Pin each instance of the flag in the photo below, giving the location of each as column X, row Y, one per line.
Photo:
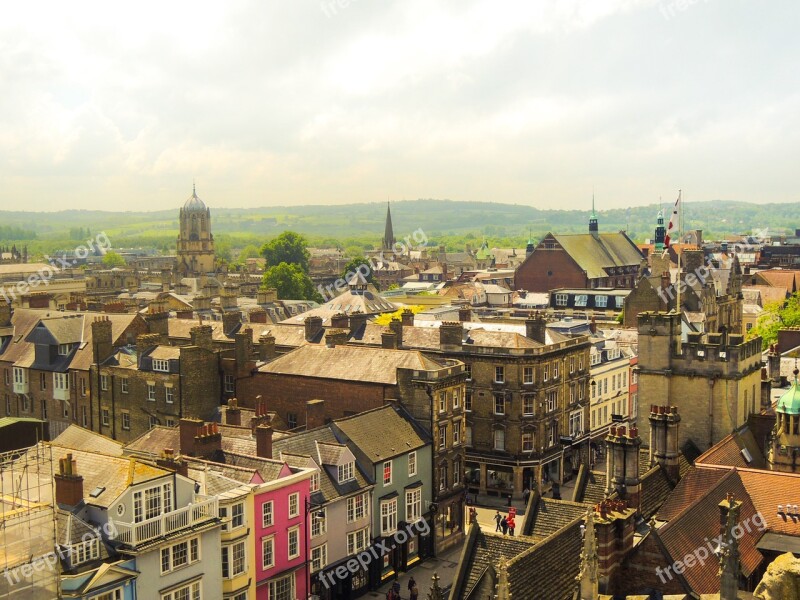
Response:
column 673, row 222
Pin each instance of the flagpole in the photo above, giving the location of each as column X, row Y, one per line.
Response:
column 680, row 253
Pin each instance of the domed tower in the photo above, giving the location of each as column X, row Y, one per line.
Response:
column 784, row 455
column 195, row 241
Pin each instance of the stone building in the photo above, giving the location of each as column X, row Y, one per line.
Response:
column 784, row 451
column 714, row 379
column 195, row 240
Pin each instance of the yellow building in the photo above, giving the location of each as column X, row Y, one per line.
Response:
column 195, row 240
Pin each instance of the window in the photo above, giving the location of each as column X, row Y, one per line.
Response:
column 468, row 435
column 105, row 416
column 552, row 401
column 357, row 541
column 83, row 386
column 555, row 370
column 571, row 365
column 413, row 505
column 282, row 589
column 552, row 434
column 230, row 384
column 126, row 421
column 571, row 393
column 456, row 471
column 412, row 464
column 605, row 385
column 442, row 402
column 104, row 382
column 387, row 472
column 456, row 433
column 64, row 349
column 294, row 505
column 64, row 407
column 159, row 364
column 170, row 422
column 356, row 507
column 268, row 552
column 291, row 420
column 527, row 442
column 561, row 299
column 499, row 439
column 179, row 555
column 42, row 381
column 233, row 562
column 5, row 376
column 388, row 516
column 468, row 401
column 293, row 542
column 576, row 423
column 26, row 405
column 61, row 381
column 319, row 557
column 147, row 503
column 112, row 595
column 443, row 480
column 20, row 376
column 499, row 374
column 528, row 403
column 85, row 551
column 499, row 404
column 456, row 399
column 237, row 516
column 468, row 371
column 44, row 412
column 581, row 299
column 442, row 436
column 151, row 392
column 600, row 301
column 314, row 483
column 346, row 472
column 153, row 421
column 170, row 394
column 613, row 383
column 123, row 385
column 580, row 362
column 545, row 372
column 187, row 592
column 527, row 375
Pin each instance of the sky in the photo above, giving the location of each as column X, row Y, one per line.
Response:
column 121, row 106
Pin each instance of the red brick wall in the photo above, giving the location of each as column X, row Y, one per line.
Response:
column 546, row 270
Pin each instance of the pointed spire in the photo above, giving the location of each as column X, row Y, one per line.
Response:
column 593, row 218
column 388, row 233
column 502, row 588
column 194, row 189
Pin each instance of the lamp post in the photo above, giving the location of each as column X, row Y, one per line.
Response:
column 311, row 508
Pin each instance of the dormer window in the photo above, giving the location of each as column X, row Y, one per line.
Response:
column 64, row 349
column 346, row 472
column 160, row 364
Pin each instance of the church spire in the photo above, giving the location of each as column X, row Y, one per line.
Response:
column 388, row 233
column 593, row 218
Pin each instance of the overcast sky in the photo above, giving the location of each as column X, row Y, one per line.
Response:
column 121, row 105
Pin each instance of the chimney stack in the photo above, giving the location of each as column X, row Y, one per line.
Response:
column 614, row 529
column 536, row 328
column 315, row 414
column 451, row 335
column 464, row 314
column 102, row 339
column 202, row 336
column 336, row 337
column 264, row 441
column 69, row 485
column 313, row 327
column 396, row 325
column 233, row 414
column 389, row 340
column 244, row 349
column 340, row 321
column 664, row 422
column 231, row 320
column 623, row 464
column 357, row 321
column 169, row 461
column 407, row 316
column 188, row 429
column 266, row 346
column 257, row 315
column 5, row 313
column 208, row 440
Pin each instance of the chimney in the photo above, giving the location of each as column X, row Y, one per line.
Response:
column 451, row 335
column 169, row 461
column 266, row 295
column 464, row 314
column 257, row 315
column 396, row 325
column 188, row 429
column 774, row 364
column 622, row 458
column 208, row 440
column 614, row 531
column 201, row 303
column 102, row 339
column 593, row 326
column 158, row 319
column 407, row 317
column 244, row 348
column 228, row 297
column 201, row 336
column 315, row 414
column 266, row 346
column 357, row 321
column 536, row 328
column 166, row 279
column 69, row 485
column 389, row 340
column 729, row 548
column 340, row 321
column 260, row 416
column 5, row 313
column 664, row 421
column 336, row 337
column 264, row 441
column 692, row 261
column 313, row 327
column 233, row 414
column 231, row 321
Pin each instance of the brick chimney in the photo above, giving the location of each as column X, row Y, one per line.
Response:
column 451, row 335
column 340, row 321
column 158, row 319
column 536, row 328
column 313, row 327
column 407, row 317
column 593, row 326
column 336, row 337
column 228, row 297
column 264, row 441
column 774, row 364
column 266, row 346
column 69, row 485
column 357, row 321
column 664, row 422
column 614, row 529
column 260, row 416
column 102, row 339
column 208, row 440
column 257, row 315
column 168, row 460
column 396, row 325
column 188, row 428
column 244, row 349
column 233, row 414
column 201, row 303
column 315, row 413
column 389, row 340
column 266, row 295
column 464, row 314
column 202, row 336
column 231, row 320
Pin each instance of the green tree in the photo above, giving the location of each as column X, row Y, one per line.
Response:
column 112, row 259
column 291, row 282
column 355, row 266
column 777, row 315
column 249, row 251
column 288, row 247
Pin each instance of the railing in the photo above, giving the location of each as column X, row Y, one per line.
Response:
column 133, row 534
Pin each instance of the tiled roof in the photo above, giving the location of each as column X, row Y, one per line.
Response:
column 487, row 549
column 768, row 489
column 551, row 515
column 595, row 490
column 380, row 433
column 78, row 438
column 655, row 489
column 728, row 451
column 153, row 441
column 375, row 365
column 691, row 486
column 595, row 253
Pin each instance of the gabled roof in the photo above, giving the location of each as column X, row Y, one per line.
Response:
column 380, row 433
column 596, row 253
column 729, row 451
column 78, row 438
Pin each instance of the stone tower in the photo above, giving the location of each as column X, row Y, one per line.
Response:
column 195, row 241
column 784, row 452
column 388, row 232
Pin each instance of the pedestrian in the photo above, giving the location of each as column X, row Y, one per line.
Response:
column 511, row 526
column 504, row 525
column 411, row 583
column 415, row 592
column 526, row 493
column 497, row 519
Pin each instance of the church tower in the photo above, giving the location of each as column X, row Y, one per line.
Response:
column 195, row 241
column 388, row 232
column 593, row 229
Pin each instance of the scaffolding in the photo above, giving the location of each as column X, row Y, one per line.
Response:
column 28, row 525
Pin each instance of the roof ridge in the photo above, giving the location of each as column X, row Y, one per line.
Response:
column 703, row 496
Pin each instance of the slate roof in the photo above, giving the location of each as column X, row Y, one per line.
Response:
column 551, row 515
column 78, row 438
column 655, row 489
column 373, row 365
column 381, row 433
column 595, row 253
column 487, row 549
column 595, row 489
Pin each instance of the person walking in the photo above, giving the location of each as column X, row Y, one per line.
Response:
column 411, row 583
column 497, row 519
column 414, row 592
column 511, row 526
column 504, row 525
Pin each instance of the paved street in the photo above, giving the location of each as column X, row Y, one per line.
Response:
column 444, row 565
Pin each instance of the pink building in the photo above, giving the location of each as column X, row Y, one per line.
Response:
column 282, row 536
